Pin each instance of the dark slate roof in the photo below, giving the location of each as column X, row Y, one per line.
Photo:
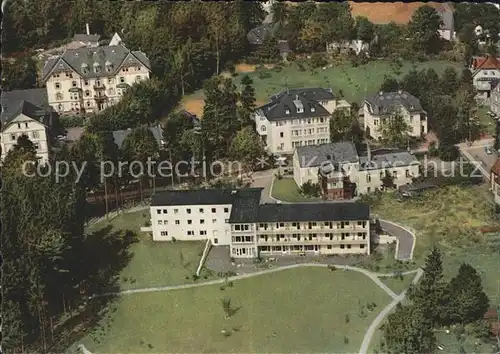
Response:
column 384, row 102
column 289, row 101
column 120, row 135
column 245, row 205
column 316, row 155
column 258, row 34
column 86, row 37
column 210, row 196
column 24, row 101
column 313, row 212
column 194, row 119
column 77, row 59
column 387, row 159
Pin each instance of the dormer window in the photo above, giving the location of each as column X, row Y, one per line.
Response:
column 85, row 68
column 313, row 109
column 109, row 66
column 97, row 67
column 287, row 111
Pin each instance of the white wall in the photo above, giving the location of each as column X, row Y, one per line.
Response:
column 366, row 185
column 23, row 125
column 214, row 225
column 417, row 127
column 85, row 98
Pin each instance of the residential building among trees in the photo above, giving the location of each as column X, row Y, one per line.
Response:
column 91, row 79
column 237, row 219
column 26, row 112
column 377, row 109
column 485, row 74
column 342, row 172
column 297, row 117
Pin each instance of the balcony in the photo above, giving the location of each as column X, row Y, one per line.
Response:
column 100, row 97
column 99, row 86
column 314, row 241
column 287, row 230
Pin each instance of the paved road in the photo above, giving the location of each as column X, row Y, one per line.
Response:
column 382, row 315
column 373, row 276
column 406, row 239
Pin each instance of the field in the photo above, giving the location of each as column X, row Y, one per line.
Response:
column 354, row 82
column 286, row 190
column 153, row 263
column 451, row 218
column 396, row 284
column 300, row 310
column 487, row 122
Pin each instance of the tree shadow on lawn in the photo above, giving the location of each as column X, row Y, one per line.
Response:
column 103, row 255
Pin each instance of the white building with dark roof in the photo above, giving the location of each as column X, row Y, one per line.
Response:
column 343, row 173
column 91, row 79
column 235, row 218
column 380, row 107
column 297, row 117
column 26, row 112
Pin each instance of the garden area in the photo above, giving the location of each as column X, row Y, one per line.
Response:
column 153, row 263
column 453, row 218
column 354, row 82
column 286, row 190
column 300, row 310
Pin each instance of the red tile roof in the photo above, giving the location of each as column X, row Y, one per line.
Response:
column 496, row 168
column 487, row 62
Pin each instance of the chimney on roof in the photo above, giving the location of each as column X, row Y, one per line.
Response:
column 87, row 27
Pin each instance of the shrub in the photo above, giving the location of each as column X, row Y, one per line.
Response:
column 174, row 239
column 310, row 189
column 300, row 66
column 346, row 340
column 317, row 60
column 72, row 121
column 347, row 319
column 264, row 75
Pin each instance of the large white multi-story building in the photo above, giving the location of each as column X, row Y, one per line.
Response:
column 91, row 79
column 378, row 108
column 237, row 219
column 343, row 173
column 26, row 112
column 297, row 117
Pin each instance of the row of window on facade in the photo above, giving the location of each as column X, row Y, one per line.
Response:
column 299, row 237
column 76, row 95
column 188, row 210
column 297, row 121
column 383, row 173
column 308, row 142
column 189, row 222
column 98, row 83
column 310, row 225
column 34, row 135
column 189, row 233
column 109, row 68
column 301, row 248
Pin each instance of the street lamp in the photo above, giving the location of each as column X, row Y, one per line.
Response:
column 197, row 131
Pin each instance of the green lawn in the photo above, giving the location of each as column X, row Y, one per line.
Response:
column 355, row 82
column 286, row 190
column 396, row 284
column 299, row 310
column 451, row 217
column 154, row 263
column 487, row 122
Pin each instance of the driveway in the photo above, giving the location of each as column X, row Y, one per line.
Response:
column 406, row 239
column 264, row 179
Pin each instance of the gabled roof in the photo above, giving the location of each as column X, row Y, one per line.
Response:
column 259, row 34
column 77, row 59
column 18, row 101
column 316, row 155
column 485, row 63
column 384, row 159
column 288, row 101
column 86, row 38
column 495, row 169
column 120, row 135
column 194, row 119
column 384, row 102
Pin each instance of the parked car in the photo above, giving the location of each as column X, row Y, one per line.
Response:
column 488, row 150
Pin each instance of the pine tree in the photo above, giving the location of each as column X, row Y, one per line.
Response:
column 496, row 145
column 466, row 301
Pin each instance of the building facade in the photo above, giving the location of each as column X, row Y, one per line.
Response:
column 91, row 79
column 485, row 72
column 26, row 112
column 297, row 117
column 494, row 101
column 378, row 108
column 237, row 219
column 495, row 181
column 343, row 173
